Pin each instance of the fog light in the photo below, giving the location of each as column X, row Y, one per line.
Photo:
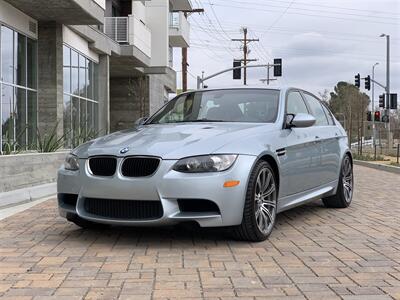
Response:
column 232, row 183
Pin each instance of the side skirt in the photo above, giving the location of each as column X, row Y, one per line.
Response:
column 291, row 201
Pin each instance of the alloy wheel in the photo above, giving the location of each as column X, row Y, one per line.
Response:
column 347, row 179
column 265, row 200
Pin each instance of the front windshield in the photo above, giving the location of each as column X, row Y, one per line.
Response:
column 246, row 105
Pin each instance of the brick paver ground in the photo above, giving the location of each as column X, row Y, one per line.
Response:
column 313, row 253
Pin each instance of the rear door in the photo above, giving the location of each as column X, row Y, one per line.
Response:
column 326, row 135
column 301, row 152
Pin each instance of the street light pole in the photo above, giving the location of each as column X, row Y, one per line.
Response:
column 373, row 102
column 387, row 110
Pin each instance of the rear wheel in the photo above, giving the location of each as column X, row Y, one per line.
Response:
column 259, row 212
column 344, row 193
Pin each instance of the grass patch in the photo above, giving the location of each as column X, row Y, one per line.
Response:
column 368, row 157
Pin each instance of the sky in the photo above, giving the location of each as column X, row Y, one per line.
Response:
column 320, row 42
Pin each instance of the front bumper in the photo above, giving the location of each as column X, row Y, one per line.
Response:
column 166, row 186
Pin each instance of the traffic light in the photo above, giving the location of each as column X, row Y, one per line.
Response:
column 369, row 116
column 278, row 67
column 382, row 101
column 393, row 101
column 357, row 80
column 237, row 73
column 377, row 116
column 368, row 83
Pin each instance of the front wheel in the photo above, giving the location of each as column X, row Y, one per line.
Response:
column 259, row 213
column 344, row 193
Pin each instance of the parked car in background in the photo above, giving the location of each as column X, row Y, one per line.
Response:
column 230, row 158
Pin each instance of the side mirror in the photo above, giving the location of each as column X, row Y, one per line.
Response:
column 300, row 121
column 141, row 121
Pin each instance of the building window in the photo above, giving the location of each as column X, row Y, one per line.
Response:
column 18, row 91
column 80, row 97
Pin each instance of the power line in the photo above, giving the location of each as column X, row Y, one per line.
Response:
column 262, row 29
column 280, row 17
column 257, row 4
column 337, row 7
column 211, row 34
column 216, row 18
column 325, row 52
column 309, row 15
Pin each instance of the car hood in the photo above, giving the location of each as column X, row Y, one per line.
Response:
column 172, row 141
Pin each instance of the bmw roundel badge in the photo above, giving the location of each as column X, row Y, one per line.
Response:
column 124, row 150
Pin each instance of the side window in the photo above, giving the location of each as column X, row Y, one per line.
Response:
column 328, row 115
column 317, row 110
column 295, row 104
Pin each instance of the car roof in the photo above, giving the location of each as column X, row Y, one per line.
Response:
column 247, row 87
column 276, row 88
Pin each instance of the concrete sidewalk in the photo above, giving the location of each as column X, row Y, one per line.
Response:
column 26, row 195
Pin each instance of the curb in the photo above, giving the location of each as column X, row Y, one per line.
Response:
column 26, row 195
column 391, row 169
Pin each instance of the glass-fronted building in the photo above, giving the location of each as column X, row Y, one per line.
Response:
column 18, row 86
column 81, row 100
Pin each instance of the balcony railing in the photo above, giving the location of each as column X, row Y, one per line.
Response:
column 130, row 31
column 179, row 30
column 174, row 20
column 117, row 28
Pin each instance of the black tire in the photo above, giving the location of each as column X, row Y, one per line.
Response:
column 343, row 196
column 85, row 224
column 249, row 229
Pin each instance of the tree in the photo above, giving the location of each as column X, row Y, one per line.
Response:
column 349, row 102
column 325, row 96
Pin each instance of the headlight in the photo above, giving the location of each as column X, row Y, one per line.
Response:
column 206, row 163
column 71, row 162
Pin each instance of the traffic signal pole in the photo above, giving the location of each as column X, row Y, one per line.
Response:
column 201, row 80
column 390, row 140
column 373, row 102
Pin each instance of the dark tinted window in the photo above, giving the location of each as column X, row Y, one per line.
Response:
column 317, row 110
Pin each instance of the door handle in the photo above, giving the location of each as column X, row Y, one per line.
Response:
column 317, row 139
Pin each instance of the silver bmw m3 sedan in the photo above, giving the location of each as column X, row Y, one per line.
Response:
column 231, row 158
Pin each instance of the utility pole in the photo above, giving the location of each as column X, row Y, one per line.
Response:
column 185, row 52
column 268, row 79
column 184, row 65
column 245, row 59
